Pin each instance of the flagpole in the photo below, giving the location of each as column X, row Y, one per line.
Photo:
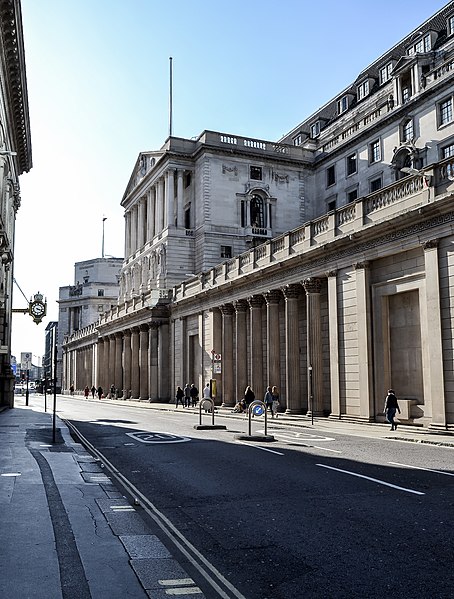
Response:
column 170, row 98
column 104, row 218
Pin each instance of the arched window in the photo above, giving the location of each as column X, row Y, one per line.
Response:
column 257, row 212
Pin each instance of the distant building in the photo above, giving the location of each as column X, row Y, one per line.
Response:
column 15, row 159
column 94, row 292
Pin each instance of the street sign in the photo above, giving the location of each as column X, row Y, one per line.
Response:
column 26, row 360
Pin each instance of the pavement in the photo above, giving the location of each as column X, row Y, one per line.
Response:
column 68, row 532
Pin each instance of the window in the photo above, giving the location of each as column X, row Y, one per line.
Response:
column 187, row 180
column 226, row 251
column 375, row 184
column 330, row 176
column 374, row 152
column 363, row 90
column 352, row 195
column 187, row 217
column 100, row 292
column 255, row 173
column 315, row 129
column 298, row 140
column 424, row 44
column 386, row 73
column 257, row 214
column 342, row 104
column 351, row 164
column 447, row 152
column 407, row 130
column 331, row 205
column 445, row 112
column 450, row 25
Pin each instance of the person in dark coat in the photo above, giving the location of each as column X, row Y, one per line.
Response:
column 93, row 391
column 391, row 406
column 99, row 392
column 179, row 397
column 194, row 392
column 249, row 396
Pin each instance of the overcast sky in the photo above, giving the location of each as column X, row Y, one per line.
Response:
column 98, row 88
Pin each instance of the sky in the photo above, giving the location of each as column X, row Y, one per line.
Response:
column 98, row 92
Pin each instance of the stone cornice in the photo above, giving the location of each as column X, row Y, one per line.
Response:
column 16, row 95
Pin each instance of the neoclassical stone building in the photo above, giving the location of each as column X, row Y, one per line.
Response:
column 322, row 263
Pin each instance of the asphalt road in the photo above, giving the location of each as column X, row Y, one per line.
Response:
column 308, row 516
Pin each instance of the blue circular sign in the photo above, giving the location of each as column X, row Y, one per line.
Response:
column 257, row 410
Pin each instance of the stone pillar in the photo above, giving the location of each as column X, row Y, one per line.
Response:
column 127, row 235
column 170, row 199
column 134, row 218
column 153, row 345
column 151, row 213
column 111, row 364
column 126, row 364
column 435, row 384
column 216, row 335
column 159, row 206
column 163, row 362
column 228, row 398
column 118, row 378
column 135, row 369
column 272, row 299
column 100, row 370
column 365, row 360
column 312, row 287
column 293, row 397
column 333, row 344
column 256, row 356
column 141, row 211
column 180, row 198
column 241, row 309
column 143, row 365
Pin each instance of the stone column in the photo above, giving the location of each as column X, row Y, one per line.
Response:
column 127, row 234
column 153, row 345
column 134, row 217
column 127, row 364
column 228, row 398
column 163, row 362
column 143, row 365
column 272, row 299
column 151, row 214
column 159, row 206
column 111, row 364
column 256, row 356
column 180, row 198
column 365, row 361
column 118, row 378
column 170, row 197
column 135, row 368
column 241, row 309
column 293, row 397
column 216, row 335
column 434, row 386
column 141, row 211
column 333, row 344
column 100, row 370
column 312, row 287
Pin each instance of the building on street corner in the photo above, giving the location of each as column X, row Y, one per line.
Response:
column 320, row 263
column 15, row 159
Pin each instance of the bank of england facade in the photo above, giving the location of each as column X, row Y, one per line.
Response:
column 322, row 263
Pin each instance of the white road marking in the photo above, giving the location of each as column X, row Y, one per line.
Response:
column 262, row 448
column 375, row 480
column 327, row 449
column 419, row 468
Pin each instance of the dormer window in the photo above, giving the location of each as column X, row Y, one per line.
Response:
column 386, row 73
column 424, row 44
column 315, row 129
column 363, row 89
column 297, row 141
column 342, row 104
column 450, row 25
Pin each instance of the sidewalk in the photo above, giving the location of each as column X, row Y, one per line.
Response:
column 66, row 532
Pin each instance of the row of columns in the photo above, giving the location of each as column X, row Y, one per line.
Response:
column 158, row 209
column 234, row 373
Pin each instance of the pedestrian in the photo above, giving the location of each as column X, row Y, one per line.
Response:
column 99, row 391
column 86, row 391
column 391, row 406
column 268, row 401
column 179, row 396
column 187, row 396
column 275, row 404
column 112, row 391
column 249, row 396
column 194, row 393
column 71, row 389
column 93, row 391
column 207, row 394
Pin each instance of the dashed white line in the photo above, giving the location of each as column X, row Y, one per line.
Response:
column 420, row 468
column 375, row 480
